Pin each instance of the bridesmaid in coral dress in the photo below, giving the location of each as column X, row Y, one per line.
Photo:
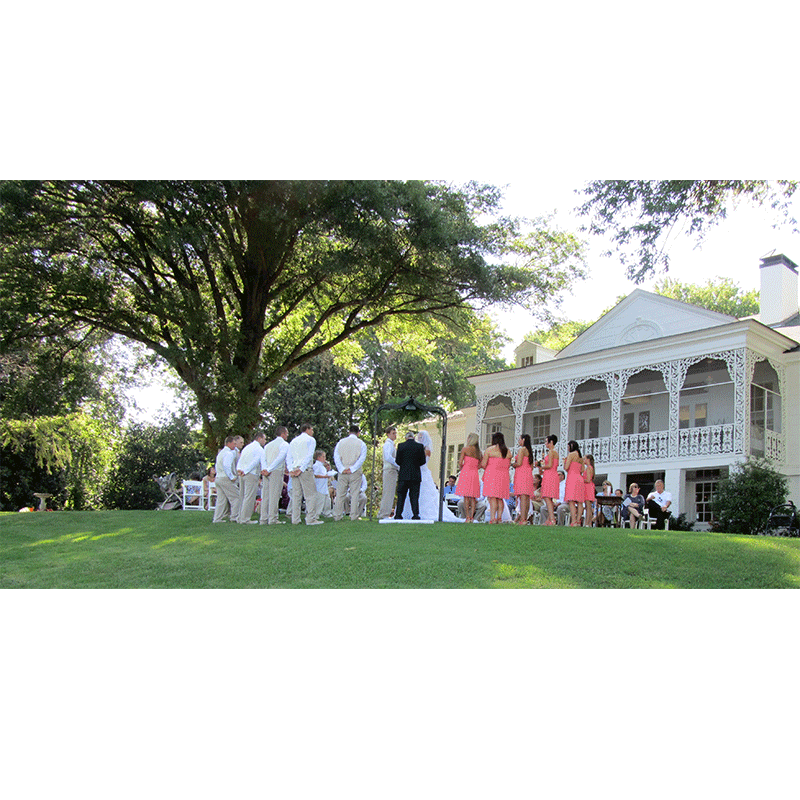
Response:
column 496, row 462
column 575, row 490
column 550, row 480
column 523, row 477
column 468, row 485
column 588, row 479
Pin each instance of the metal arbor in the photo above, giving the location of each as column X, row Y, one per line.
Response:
column 410, row 405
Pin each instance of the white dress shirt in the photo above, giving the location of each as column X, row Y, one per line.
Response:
column 362, row 457
column 250, row 459
column 274, row 454
column 301, row 452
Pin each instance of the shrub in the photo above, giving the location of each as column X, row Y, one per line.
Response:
column 148, row 450
column 744, row 499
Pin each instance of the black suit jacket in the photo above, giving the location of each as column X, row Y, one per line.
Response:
column 410, row 457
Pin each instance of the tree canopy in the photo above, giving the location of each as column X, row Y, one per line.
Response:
column 236, row 283
column 640, row 215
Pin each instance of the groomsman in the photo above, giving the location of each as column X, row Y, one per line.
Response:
column 349, row 456
column 299, row 463
column 249, row 470
column 227, row 489
column 273, row 465
column 389, row 473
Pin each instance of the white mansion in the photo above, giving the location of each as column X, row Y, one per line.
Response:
column 657, row 388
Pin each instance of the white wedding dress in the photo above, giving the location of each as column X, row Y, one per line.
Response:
column 428, row 493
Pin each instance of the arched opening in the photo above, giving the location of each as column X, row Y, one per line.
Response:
column 765, row 412
column 499, row 416
column 644, row 417
column 706, row 409
column 590, row 419
column 542, row 417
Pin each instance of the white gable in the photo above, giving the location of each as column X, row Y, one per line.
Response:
column 642, row 316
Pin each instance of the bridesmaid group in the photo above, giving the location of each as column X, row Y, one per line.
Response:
column 532, row 489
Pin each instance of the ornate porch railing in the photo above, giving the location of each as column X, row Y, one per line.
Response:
column 644, row 446
column 710, row 440
column 599, row 448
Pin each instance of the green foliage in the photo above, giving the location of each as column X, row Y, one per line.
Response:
column 66, row 455
column 640, row 215
column 236, row 283
column 145, row 451
column 744, row 499
column 720, row 294
column 560, row 334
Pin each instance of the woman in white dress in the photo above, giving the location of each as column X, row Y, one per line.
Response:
column 429, row 497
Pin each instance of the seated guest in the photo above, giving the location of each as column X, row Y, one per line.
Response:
column 658, row 503
column 209, row 487
column 537, row 501
column 605, row 514
column 450, row 486
column 632, row 506
column 562, row 509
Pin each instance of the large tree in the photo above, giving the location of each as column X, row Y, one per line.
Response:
column 641, row 215
column 236, row 283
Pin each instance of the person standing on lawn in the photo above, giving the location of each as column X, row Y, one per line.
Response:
column 249, row 471
column 273, row 466
column 389, row 473
column 349, row 456
column 227, row 488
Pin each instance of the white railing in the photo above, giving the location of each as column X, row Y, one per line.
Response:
column 773, row 446
column 644, row 446
column 710, row 440
column 599, row 448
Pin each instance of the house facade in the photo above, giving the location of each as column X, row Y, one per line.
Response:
column 658, row 389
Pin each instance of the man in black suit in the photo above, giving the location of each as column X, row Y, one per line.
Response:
column 410, row 457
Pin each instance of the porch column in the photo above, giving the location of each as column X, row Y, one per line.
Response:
column 481, row 403
column 738, row 363
column 519, row 400
column 565, row 393
column 674, row 373
column 616, row 385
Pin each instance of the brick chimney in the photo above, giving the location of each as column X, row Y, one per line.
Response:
column 778, row 299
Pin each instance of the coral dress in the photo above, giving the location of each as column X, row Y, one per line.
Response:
column 523, row 478
column 591, row 491
column 469, row 481
column 495, row 477
column 550, row 479
column 575, row 489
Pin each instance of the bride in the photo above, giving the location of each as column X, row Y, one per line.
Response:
column 429, row 497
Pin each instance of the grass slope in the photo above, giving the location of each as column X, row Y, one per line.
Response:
column 183, row 550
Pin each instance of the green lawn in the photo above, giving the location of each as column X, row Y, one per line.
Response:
column 183, row 550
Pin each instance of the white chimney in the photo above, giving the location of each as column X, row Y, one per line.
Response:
column 778, row 299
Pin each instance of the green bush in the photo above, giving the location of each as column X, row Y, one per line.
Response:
column 744, row 499
column 148, row 450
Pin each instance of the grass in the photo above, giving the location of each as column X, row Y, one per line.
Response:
column 183, row 550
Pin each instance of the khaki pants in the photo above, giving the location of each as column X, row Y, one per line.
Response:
column 389, row 491
column 304, row 486
column 249, row 490
column 352, row 481
column 270, row 497
column 227, row 499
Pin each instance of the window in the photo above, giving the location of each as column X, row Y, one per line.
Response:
column 762, row 407
column 451, row 450
column 705, row 486
column 644, row 422
column 594, row 427
column 540, row 427
column 492, row 428
column 627, row 424
column 700, row 415
column 580, row 428
column 527, row 361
